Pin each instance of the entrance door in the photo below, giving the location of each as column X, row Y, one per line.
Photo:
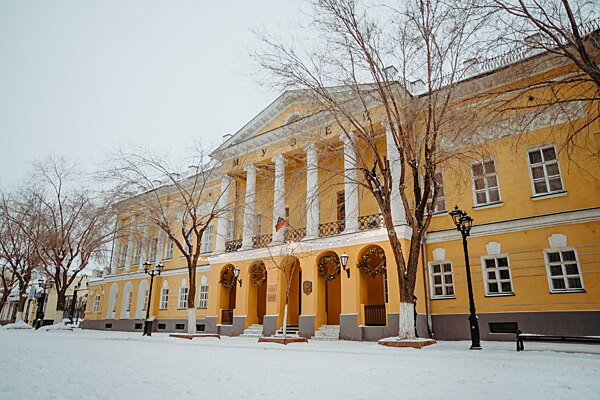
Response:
column 295, row 299
column 261, row 302
column 333, row 305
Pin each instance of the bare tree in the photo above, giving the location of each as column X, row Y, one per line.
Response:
column 562, row 32
column 181, row 206
column 17, row 245
column 75, row 223
column 428, row 39
column 8, row 281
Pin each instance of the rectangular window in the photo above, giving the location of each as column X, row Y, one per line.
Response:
column 180, row 327
column 203, row 296
column 153, row 247
column 164, row 298
column 545, row 171
column 207, row 239
column 162, row 326
column 563, row 270
column 96, row 303
column 440, row 202
column 230, row 229
column 136, row 253
column 144, row 305
column 485, row 182
column 183, row 293
column 496, row 275
column 169, row 250
column 442, row 283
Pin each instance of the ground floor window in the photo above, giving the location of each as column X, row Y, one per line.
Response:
column 496, row 275
column 164, row 298
column 203, row 296
column 442, row 282
column 183, row 294
column 96, row 303
column 563, row 270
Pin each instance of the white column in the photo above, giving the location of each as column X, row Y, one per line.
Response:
column 312, row 192
column 130, row 246
column 350, row 185
column 249, row 204
column 145, row 244
column 223, row 219
column 393, row 156
column 160, row 247
column 279, row 196
column 116, row 249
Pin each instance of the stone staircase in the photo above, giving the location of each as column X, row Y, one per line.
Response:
column 327, row 333
column 253, row 331
column 291, row 331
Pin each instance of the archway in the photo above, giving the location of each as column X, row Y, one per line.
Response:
column 328, row 267
column 373, row 285
column 227, row 294
column 293, row 270
column 258, row 280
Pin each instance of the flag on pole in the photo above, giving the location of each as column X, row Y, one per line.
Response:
column 280, row 224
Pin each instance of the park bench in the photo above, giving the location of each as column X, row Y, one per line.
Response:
column 513, row 327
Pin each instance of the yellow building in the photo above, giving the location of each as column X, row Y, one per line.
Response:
column 533, row 246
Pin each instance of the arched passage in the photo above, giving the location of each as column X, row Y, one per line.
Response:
column 373, row 285
column 227, row 294
column 328, row 267
column 142, row 299
column 293, row 272
column 258, row 289
column 112, row 301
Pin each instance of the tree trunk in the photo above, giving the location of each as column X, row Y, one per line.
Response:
column 406, row 329
column 191, row 314
column 60, row 307
column 3, row 299
column 285, row 313
column 21, row 303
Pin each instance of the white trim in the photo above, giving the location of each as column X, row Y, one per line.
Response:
column 560, row 250
column 521, row 224
column 541, row 148
column 495, row 257
column 443, row 284
column 552, row 195
column 485, row 184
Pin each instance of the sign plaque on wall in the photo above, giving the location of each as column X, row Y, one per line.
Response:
column 307, row 287
column 272, row 292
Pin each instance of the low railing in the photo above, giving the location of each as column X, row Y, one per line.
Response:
column 226, row 317
column 294, row 235
column 331, row 228
column 373, row 221
column 233, row 245
column 262, row 241
column 375, row 315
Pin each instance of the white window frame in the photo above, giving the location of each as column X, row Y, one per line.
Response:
column 207, row 240
column 169, row 249
column 164, row 298
column 123, row 255
column 145, row 303
column 442, row 198
column 130, row 297
column 443, row 285
column 564, row 275
column 153, row 249
column 498, row 280
column 137, row 251
column 486, row 188
column 96, row 303
column 544, row 165
column 203, row 296
column 183, row 294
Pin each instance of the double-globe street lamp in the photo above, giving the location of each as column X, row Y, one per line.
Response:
column 152, row 272
column 463, row 224
column 74, row 300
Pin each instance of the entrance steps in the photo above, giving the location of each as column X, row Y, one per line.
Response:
column 253, row 331
column 327, row 333
column 291, row 331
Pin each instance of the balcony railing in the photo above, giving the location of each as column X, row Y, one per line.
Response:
column 233, row 245
column 294, row 235
column 373, row 221
column 226, row 317
column 375, row 315
column 261, row 241
column 331, row 228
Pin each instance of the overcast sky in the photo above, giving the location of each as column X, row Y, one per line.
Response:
column 82, row 78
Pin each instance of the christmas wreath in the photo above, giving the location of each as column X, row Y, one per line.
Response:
column 258, row 274
column 373, row 262
column 227, row 278
column 324, row 264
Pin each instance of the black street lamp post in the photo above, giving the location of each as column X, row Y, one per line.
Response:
column 152, row 272
column 74, row 300
column 463, row 224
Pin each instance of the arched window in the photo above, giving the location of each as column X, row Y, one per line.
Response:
column 126, row 304
column 142, row 300
column 112, row 301
column 164, row 296
column 183, row 294
column 203, row 293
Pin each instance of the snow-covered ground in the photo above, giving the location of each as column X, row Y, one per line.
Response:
column 116, row 365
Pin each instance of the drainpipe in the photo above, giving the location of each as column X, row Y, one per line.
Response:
column 427, row 294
